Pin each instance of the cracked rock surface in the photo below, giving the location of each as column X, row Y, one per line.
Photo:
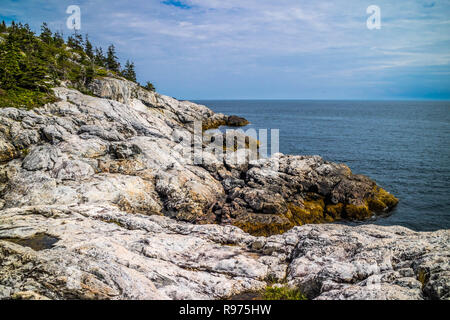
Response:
column 102, row 252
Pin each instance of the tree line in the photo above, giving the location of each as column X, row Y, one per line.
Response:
column 30, row 64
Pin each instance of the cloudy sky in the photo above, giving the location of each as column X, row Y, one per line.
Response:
column 261, row 49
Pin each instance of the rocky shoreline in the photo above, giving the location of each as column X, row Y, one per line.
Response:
column 98, row 200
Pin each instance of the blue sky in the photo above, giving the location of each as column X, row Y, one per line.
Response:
column 258, row 49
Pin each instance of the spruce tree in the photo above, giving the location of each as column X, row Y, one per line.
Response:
column 27, row 28
column 46, row 33
column 30, row 64
column 10, row 65
column 99, row 58
column 75, row 41
column 58, row 39
column 88, row 48
column 111, row 59
column 90, row 73
column 33, row 75
column 149, row 86
column 71, row 42
column 3, row 27
column 129, row 72
column 79, row 40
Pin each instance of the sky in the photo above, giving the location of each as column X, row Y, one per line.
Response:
column 260, row 49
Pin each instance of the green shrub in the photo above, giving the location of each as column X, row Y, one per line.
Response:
column 101, row 72
column 149, row 86
column 282, row 293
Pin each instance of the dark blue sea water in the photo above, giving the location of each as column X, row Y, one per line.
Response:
column 403, row 145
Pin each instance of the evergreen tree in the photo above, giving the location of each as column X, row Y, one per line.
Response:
column 33, row 76
column 99, row 58
column 3, row 27
column 46, row 33
column 129, row 72
column 30, row 64
column 20, row 71
column 10, row 63
column 149, row 86
column 88, row 48
column 90, row 73
column 71, row 42
column 79, row 40
column 111, row 59
column 58, row 39
column 75, row 41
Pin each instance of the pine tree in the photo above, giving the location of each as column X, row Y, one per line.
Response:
column 30, row 64
column 71, row 42
column 99, row 58
column 75, row 41
column 33, row 75
column 58, row 39
column 3, row 27
column 10, row 64
column 129, row 72
column 111, row 59
column 46, row 33
column 90, row 73
column 79, row 40
column 149, row 86
column 88, row 48
column 20, row 71
column 27, row 28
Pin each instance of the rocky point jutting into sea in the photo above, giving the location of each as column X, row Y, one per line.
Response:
column 98, row 201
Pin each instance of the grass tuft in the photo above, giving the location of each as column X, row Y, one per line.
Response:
column 283, row 293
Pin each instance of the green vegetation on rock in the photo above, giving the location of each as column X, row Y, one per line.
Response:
column 30, row 65
column 149, row 86
column 282, row 293
column 24, row 98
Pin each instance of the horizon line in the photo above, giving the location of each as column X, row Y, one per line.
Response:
column 312, row 99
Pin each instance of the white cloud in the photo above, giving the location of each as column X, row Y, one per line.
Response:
column 314, row 39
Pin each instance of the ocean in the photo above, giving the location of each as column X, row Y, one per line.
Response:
column 403, row 145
